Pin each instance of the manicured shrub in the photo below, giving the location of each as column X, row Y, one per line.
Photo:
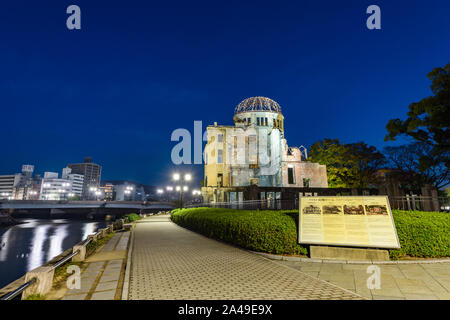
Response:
column 421, row 234
column 265, row 231
column 131, row 217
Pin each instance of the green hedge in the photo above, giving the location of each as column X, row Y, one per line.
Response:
column 421, row 234
column 131, row 217
column 265, row 231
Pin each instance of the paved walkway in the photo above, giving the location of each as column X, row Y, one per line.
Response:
column 400, row 281
column 102, row 280
column 170, row 262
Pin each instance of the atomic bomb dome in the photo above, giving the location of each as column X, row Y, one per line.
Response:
column 257, row 104
column 254, row 153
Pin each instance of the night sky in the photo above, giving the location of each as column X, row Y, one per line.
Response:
column 137, row 70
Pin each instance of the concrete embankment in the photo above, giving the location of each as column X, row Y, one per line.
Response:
column 6, row 220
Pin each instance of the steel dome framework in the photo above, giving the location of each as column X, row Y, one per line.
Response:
column 257, row 104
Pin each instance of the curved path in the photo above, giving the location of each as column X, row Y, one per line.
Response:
column 170, row 262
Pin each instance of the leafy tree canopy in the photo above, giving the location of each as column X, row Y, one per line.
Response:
column 415, row 165
column 348, row 165
column 428, row 120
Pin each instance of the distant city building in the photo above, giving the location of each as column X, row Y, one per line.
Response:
column 92, row 176
column 128, row 191
column 77, row 182
column 19, row 186
column 64, row 188
column 107, row 191
column 7, row 185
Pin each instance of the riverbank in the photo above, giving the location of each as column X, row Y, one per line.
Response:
column 33, row 242
column 6, row 221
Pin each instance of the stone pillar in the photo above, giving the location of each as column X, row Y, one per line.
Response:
column 101, row 233
column 93, row 237
column 81, row 255
column 435, row 200
column 43, row 284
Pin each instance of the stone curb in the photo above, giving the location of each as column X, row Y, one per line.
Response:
column 288, row 258
column 126, row 280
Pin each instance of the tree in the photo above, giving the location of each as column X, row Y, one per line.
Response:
column 428, row 121
column 348, row 165
column 415, row 166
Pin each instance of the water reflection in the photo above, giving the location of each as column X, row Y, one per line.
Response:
column 36, row 257
column 28, row 245
column 56, row 241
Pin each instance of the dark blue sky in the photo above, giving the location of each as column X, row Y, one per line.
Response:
column 137, row 70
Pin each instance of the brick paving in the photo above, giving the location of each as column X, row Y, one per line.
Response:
column 100, row 280
column 415, row 281
column 170, row 262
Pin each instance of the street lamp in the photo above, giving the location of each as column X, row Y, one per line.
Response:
column 177, row 177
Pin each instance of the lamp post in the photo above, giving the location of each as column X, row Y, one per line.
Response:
column 187, row 177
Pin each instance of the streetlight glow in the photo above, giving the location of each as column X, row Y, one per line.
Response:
column 187, row 177
column 176, row 176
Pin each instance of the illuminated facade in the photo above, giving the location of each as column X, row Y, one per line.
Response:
column 254, row 151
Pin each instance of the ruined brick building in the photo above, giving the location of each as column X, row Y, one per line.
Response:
column 254, row 151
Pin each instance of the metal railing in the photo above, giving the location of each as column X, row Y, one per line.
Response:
column 408, row 202
column 421, row 203
column 11, row 295
column 267, row 204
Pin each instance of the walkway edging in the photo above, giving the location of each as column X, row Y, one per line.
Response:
column 291, row 258
column 126, row 280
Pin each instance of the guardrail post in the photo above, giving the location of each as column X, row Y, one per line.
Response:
column 81, row 255
column 119, row 224
column 109, row 229
column 93, row 237
column 43, row 284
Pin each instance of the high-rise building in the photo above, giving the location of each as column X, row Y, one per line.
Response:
column 64, row 188
column 7, row 185
column 92, row 176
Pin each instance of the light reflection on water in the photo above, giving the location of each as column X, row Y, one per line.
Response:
column 26, row 246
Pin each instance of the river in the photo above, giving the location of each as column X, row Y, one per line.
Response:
column 26, row 246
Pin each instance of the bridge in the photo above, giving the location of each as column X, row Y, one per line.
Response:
column 79, row 209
